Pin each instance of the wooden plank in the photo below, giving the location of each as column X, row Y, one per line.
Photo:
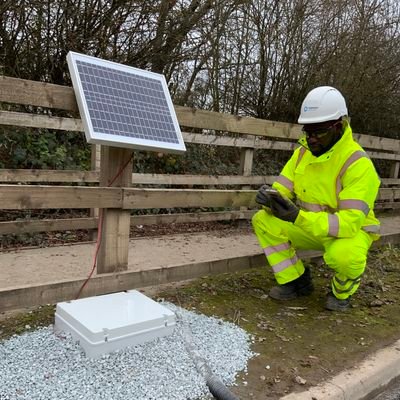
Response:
column 383, row 156
column 50, row 293
column 202, row 119
column 37, row 196
column 377, row 143
column 387, row 205
column 72, row 176
column 158, row 219
column 184, row 198
column 390, row 194
column 42, row 94
column 241, row 141
column 18, row 197
column 40, row 121
column 390, row 181
column 39, row 175
column 115, row 171
column 46, row 225
column 64, row 224
column 167, row 179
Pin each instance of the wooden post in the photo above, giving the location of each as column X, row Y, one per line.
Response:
column 394, row 171
column 246, row 166
column 95, row 166
column 246, row 162
column 113, row 252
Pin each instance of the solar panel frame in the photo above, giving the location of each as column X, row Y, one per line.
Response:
column 124, row 106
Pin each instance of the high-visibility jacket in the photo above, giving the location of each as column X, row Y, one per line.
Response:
column 335, row 191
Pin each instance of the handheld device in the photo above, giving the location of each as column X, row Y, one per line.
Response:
column 270, row 191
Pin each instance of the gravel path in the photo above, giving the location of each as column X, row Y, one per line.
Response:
column 39, row 365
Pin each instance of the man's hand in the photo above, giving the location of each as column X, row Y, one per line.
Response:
column 283, row 208
column 264, row 196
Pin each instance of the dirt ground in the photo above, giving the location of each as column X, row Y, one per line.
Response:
column 152, row 250
column 299, row 343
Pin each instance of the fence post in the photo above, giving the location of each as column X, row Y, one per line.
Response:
column 394, row 170
column 94, row 166
column 246, row 166
column 114, row 246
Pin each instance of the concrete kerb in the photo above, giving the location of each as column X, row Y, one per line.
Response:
column 371, row 376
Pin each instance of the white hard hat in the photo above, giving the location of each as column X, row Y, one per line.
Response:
column 324, row 103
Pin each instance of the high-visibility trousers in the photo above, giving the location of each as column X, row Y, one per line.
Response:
column 280, row 240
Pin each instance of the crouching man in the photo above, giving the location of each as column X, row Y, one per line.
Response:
column 322, row 200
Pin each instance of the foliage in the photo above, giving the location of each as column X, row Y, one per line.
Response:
column 43, row 150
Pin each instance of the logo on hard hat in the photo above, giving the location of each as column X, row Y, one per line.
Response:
column 310, row 108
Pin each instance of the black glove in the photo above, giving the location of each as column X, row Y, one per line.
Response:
column 263, row 196
column 283, row 208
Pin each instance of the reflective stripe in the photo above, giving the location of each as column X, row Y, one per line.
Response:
column 354, row 157
column 301, row 154
column 358, row 278
column 276, row 249
column 333, row 223
column 285, row 264
column 285, row 182
column 354, row 205
column 349, row 289
column 310, row 206
column 313, row 207
column 372, row 228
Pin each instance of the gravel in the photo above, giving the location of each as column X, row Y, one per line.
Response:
column 39, row 365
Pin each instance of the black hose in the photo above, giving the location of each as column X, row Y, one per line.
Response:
column 216, row 386
column 219, row 390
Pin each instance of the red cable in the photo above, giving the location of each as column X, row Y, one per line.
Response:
column 100, row 231
column 98, row 242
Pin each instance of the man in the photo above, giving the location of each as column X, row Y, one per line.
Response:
column 322, row 200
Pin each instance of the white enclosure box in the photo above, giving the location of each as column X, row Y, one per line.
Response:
column 103, row 324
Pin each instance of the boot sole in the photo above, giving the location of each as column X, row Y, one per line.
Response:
column 283, row 298
column 291, row 296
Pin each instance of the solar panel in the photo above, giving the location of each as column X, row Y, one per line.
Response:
column 124, row 106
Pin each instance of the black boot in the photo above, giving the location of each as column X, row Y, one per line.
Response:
column 302, row 286
column 335, row 304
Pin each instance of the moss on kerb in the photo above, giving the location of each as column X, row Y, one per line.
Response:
column 18, row 322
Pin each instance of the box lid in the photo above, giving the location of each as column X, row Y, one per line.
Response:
column 114, row 315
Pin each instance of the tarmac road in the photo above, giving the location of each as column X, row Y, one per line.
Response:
column 392, row 393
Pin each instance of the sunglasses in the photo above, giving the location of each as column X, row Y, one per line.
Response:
column 319, row 133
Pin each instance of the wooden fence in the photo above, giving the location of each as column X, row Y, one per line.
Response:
column 35, row 189
column 255, row 134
